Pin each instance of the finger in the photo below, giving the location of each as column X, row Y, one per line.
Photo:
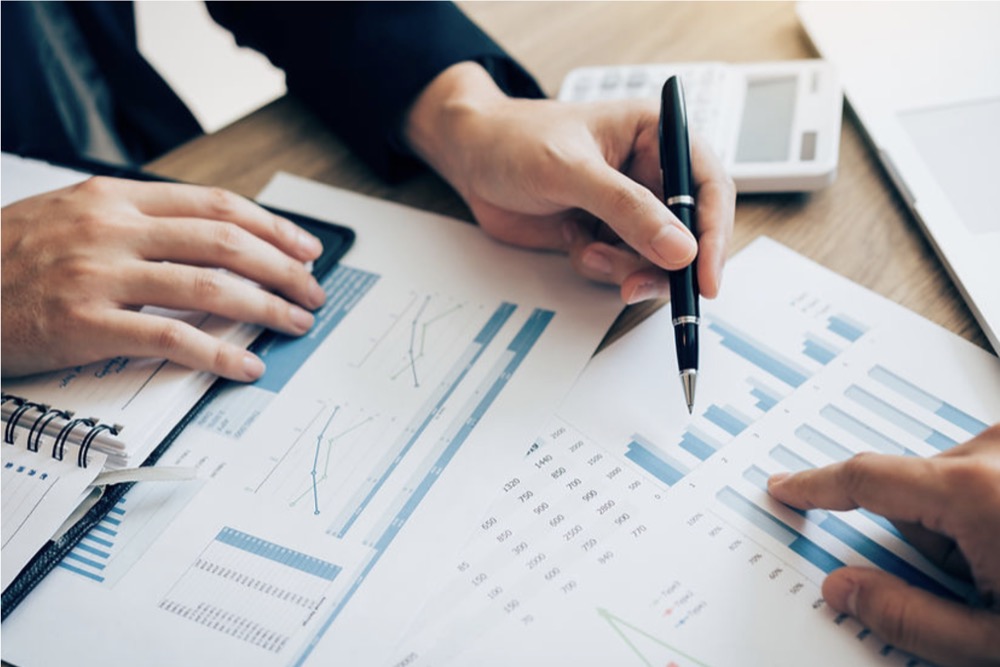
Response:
column 715, row 210
column 899, row 488
column 228, row 246
column 937, row 548
column 189, row 288
column 599, row 261
column 540, row 232
column 194, row 201
column 144, row 335
column 634, row 212
column 913, row 620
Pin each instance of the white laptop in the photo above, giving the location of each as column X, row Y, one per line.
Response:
column 924, row 80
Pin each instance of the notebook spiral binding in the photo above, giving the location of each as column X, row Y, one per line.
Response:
column 47, row 415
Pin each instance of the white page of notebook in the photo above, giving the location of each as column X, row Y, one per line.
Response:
column 644, row 552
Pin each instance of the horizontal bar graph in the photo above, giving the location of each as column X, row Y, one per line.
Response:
column 661, row 466
column 891, row 413
column 767, row 397
column 790, row 459
column 847, row 328
column 864, row 432
column 779, row 530
column 760, row 355
column 728, row 419
column 822, row 443
column 819, row 350
column 926, row 400
column 699, row 444
column 857, row 541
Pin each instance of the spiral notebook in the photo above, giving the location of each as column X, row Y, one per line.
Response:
column 62, row 430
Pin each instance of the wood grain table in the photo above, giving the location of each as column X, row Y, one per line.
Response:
column 859, row 226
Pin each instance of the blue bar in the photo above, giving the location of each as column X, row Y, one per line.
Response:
column 767, row 397
column 904, row 421
column 653, row 464
column 86, row 561
column 864, row 432
column 875, row 552
column 93, row 550
column 780, row 530
column 278, row 554
column 532, row 331
column 823, row 443
column 851, row 536
column 929, row 402
column 760, row 356
column 463, row 365
column 845, row 327
column 817, row 352
column 816, row 555
column 790, row 459
column 104, row 543
column 764, row 401
column 104, row 529
column 284, row 355
column 72, row 568
column 725, row 419
column 698, row 444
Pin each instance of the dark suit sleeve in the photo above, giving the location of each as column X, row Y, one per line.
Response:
column 359, row 65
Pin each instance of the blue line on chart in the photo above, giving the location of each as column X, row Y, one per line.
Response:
column 413, row 337
column 319, row 442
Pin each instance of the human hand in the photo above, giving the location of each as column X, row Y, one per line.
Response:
column 579, row 178
column 79, row 262
column 948, row 507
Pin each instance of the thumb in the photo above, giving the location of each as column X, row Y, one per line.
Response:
column 913, row 620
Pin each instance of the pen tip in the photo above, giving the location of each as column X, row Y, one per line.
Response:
column 688, row 381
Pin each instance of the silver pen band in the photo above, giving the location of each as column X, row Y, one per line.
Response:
column 686, row 200
column 687, row 319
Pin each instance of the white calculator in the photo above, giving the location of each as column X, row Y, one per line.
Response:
column 774, row 125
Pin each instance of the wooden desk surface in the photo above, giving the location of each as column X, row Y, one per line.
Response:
column 858, row 227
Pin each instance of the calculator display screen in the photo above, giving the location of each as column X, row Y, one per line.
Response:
column 768, row 114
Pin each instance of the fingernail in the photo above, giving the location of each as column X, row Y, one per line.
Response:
column 309, row 245
column 317, row 297
column 595, row 260
column 301, row 319
column 778, row 478
column 841, row 593
column 644, row 292
column 674, row 246
column 253, row 367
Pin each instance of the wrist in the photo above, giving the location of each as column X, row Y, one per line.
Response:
column 440, row 125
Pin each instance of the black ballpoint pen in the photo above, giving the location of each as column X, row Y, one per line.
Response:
column 678, row 195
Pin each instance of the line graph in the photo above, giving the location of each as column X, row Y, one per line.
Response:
column 415, row 335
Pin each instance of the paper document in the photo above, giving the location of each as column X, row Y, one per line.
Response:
column 334, row 490
column 37, row 489
column 633, row 534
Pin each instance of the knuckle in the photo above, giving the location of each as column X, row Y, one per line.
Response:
column 856, row 470
column 169, row 338
column 973, row 477
column 97, row 186
column 221, row 203
column 896, row 620
column 221, row 359
column 207, row 284
column 227, row 239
